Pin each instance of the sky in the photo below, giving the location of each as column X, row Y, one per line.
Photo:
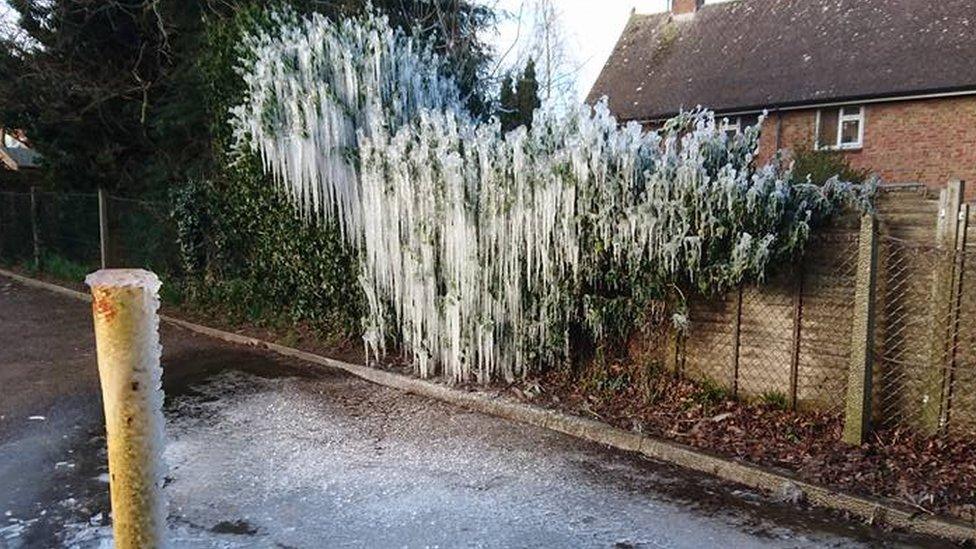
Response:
column 590, row 29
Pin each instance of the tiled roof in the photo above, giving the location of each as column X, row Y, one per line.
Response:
column 755, row 54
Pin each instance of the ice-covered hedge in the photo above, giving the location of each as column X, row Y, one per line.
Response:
column 480, row 250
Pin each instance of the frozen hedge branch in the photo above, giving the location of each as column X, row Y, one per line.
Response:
column 480, row 249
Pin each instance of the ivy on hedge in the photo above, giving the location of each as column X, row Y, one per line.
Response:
column 244, row 252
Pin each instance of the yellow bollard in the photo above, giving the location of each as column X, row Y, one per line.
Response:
column 125, row 308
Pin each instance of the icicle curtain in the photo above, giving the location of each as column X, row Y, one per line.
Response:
column 478, row 248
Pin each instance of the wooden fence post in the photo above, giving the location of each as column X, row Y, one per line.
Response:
column 33, row 221
column 103, row 226
column 946, row 237
column 857, row 416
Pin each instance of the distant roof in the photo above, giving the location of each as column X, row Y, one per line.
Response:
column 23, row 157
column 16, row 152
column 755, row 54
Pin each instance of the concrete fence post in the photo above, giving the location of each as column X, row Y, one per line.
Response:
column 955, row 326
column 672, row 350
column 103, row 227
column 857, row 414
column 125, row 309
column 943, row 286
column 35, row 236
column 736, row 341
column 795, row 340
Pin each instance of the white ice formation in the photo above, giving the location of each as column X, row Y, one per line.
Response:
column 476, row 246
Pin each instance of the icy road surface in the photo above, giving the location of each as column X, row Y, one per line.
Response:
column 269, row 452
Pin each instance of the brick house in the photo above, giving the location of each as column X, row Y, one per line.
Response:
column 890, row 84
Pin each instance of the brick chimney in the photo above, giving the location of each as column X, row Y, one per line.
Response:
column 685, row 7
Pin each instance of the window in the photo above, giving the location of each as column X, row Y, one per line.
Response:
column 840, row 128
column 732, row 125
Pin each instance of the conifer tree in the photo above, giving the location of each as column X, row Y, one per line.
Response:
column 519, row 99
column 527, row 93
column 508, row 108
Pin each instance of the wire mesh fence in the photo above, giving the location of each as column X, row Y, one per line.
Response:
column 789, row 341
column 709, row 354
column 67, row 226
column 766, row 344
column 16, row 236
column 926, row 350
column 905, row 331
column 960, row 407
column 62, row 232
column 141, row 234
column 826, row 315
column 786, row 341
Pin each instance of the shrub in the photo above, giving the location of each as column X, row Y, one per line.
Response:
column 820, row 166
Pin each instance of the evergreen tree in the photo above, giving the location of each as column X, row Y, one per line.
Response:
column 527, row 93
column 508, row 109
column 519, row 100
column 91, row 74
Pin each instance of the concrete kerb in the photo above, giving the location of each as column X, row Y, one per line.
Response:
column 873, row 511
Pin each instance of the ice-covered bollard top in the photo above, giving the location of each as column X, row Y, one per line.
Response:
column 118, row 278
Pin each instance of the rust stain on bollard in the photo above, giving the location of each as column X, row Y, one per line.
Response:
column 102, row 306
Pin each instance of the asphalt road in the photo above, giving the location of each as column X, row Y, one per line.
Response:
column 265, row 451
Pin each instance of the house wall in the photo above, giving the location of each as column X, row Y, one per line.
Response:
column 925, row 141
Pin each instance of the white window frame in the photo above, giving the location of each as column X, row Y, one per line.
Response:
column 728, row 125
column 841, row 118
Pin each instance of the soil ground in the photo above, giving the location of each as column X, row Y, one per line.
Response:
column 270, row 452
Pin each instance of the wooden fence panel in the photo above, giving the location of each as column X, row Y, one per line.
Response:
column 791, row 336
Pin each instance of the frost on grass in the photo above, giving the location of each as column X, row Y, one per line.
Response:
column 479, row 249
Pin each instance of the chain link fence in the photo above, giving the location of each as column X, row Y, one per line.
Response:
column 785, row 342
column 61, row 232
column 925, row 363
column 904, row 330
column 960, row 409
column 828, row 286
column 16, row 234
column 142, row 234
